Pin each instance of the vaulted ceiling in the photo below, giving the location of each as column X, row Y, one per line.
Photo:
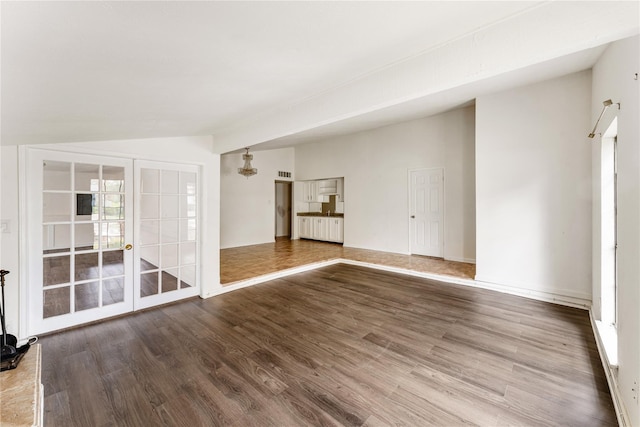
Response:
column 278, row 73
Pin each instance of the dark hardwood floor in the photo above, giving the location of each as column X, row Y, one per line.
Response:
column 342, row 345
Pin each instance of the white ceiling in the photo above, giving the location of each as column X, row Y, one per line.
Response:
column 87, row 71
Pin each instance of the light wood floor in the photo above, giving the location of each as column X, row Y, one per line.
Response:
column 245, row 262
column 340, row 345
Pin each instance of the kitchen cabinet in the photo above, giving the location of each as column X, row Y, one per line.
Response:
column 304, row 227
column 320, row 228
column 336, row 230
column 340, row 190
column 328, row 229
column 319, row 191
column 310, row 191
column 327, row 186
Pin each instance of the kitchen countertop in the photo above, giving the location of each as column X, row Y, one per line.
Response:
column 334, row 215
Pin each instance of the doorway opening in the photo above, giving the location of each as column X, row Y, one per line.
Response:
column 283, row 202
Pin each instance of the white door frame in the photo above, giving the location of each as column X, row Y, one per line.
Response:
column 410, row 213
column 28, row 226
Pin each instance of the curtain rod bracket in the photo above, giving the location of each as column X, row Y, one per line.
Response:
column 605, row 104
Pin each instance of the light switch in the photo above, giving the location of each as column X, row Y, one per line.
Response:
column 4, row 226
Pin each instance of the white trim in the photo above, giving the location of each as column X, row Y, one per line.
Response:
column 98, row 151
column 565, row 300
column 610, row 372
column 271, row 276
column 561, row 297
column 460, row 259
column 23, row 318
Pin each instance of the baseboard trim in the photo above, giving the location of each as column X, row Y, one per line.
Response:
column 576, row 300
column 566, row 300
column 234, row 286
column 610, row 374
column 456, row 259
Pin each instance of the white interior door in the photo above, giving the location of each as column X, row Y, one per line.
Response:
column 79, row 233
column 426, row 210
column 167, row 249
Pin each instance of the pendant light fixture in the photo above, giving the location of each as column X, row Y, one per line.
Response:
column 247, row 170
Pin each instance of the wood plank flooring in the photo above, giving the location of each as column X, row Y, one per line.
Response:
column 341, row 345
column 245, row 262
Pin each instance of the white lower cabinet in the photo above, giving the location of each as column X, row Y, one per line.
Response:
column 304, row 227
column 320, row 228
column 336, row 230
column 330, row 229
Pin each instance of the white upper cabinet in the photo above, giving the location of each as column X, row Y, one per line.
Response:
column 319, row 191
column 310, row 191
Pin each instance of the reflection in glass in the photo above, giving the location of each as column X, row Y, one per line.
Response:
column 187, row 183
column 187, row 230
column 149, row 258
column 56, row 176
column 170, row 231
column 87, row 236
column 113, row 206
column 188, row 253
column 86, row 207
column 56, row 207
column 87, row 296
column 149, row 232
column 187, row 206
column 56, row 238
column 148, row 284
column 86, row 266
column 56, row 270
column 170, row 280
column 149, row 207
column 169, row 182
column 112, row 263
column 113, row 179
column 188, row 276
column 169, row 255
column 86, row 177
column 56, row 302
column 112, row 291
column 149, row 181
column 169, row 207
column 112, row 235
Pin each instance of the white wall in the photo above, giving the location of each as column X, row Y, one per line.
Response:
column 194, row 150
column 10, row 242
column 375, row 167
column 613, row 78
column 533, row 188
column 247, row 205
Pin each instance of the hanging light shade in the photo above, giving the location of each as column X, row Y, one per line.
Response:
column 247, row 170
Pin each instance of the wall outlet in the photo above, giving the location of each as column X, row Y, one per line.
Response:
column 4, row 226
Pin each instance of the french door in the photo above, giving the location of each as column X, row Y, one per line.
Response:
column 166, row 224
column 106, row 236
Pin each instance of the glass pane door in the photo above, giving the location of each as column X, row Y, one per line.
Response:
column 83, row 206
column 167, row 225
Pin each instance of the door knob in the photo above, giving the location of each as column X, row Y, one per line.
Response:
column 128, row 246
column 413, row 216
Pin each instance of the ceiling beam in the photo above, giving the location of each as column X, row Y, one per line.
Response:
column 552, row 30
